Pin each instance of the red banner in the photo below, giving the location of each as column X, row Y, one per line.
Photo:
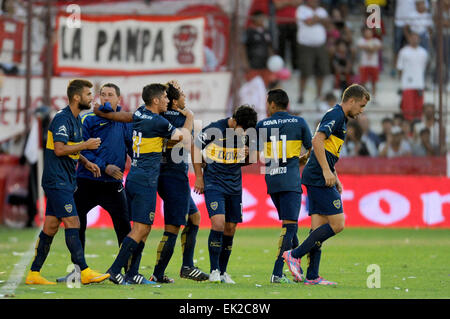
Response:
column 368, row 201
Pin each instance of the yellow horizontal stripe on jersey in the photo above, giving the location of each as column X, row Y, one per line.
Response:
column 333, row 145
column 51, row 145
column 171, row 144
column 147, row 144
column 293, row 148
column 222, row 155
column 75, row 156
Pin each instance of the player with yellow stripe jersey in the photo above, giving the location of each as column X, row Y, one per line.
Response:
column 60, row 170
column 323, row 186
column 334, row 126
column 280, row 138
column 221, row 151
column 62, row 153
column 149, row 131
column 225, row 143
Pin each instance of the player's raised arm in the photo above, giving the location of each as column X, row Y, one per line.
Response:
column 318, row 143
column 184, row 133
column 125, row 117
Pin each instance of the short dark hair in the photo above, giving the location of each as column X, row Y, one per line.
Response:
column 172, row 94
column 76, row 86
column 151, row 91
column 357, row 129
column 111, row 85
column 330, row 97
column 245, row 116
column 387, row 119
column 279, row 97
column 257, row 13
column 355, row 91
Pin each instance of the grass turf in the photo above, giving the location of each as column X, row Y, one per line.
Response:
column 414, row 263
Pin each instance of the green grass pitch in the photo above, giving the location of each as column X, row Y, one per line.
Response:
column 413, row 263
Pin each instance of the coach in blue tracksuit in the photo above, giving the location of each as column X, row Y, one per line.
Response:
column 107, row 190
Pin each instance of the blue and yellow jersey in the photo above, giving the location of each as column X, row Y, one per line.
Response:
column 174, row 157
column 334, row 126
column 116, row 143
column 59, row 171
column 281, row 138
column 223, row 168
column 149, row 132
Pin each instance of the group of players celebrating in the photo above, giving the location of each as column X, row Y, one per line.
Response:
column 158, row 137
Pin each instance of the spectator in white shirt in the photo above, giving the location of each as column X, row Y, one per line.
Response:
column 421, row 23
column 312, row 36
column 404, row 14
column 395, row 145
column 369, row 47
column 412, row 63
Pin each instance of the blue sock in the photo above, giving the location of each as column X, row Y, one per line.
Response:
column 224, row 257
column 164, row 253
column 214, row 248
column 314, row 262
column 285, row 243
column 42, row 249
column 134, row 261
column 188, row 240
column 318, row 235
column 125, row 252
column 295, row 241
column 76, row 249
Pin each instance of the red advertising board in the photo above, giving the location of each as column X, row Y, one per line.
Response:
column 368, row 201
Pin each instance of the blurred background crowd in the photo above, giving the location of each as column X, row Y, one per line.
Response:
column 325, row 45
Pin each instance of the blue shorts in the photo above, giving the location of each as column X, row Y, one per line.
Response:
column 192, row 207
column 288, row 204
column 176, row 194
column 324, row 200
column 60, row 203
column 141, row 202
column 228, row 205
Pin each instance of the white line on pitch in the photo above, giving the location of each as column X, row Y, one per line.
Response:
column 18, row 272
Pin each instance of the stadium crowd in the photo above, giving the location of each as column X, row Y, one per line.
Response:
column 317, row 38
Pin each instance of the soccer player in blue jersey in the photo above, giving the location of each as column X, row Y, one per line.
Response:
column 149, row 131
column 226, row 148
column 281, row 137
column 62, row 152
column 107, row 190
column 174, row 189
column 322, row 183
